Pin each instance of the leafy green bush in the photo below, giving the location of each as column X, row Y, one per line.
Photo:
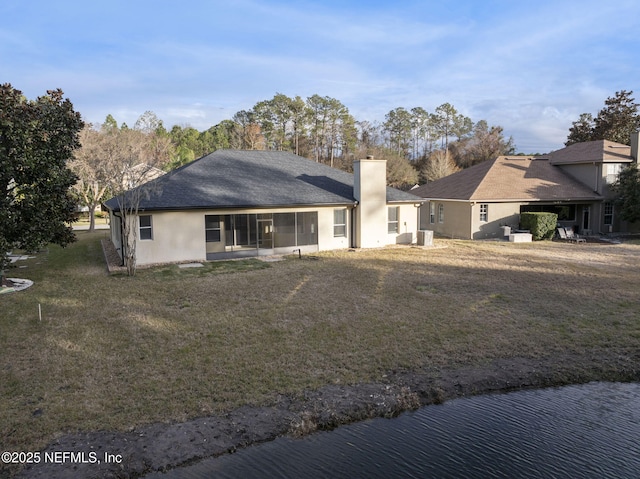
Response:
column 541, row 225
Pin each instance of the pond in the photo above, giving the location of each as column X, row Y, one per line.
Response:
column 586, row 431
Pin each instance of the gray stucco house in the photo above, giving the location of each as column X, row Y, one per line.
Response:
column 234, row 203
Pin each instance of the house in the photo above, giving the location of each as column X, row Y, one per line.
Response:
column 232, row 204
column 573, row 182
column 139, row 174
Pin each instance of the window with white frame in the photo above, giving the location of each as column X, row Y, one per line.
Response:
column 340, row 222
column 613, row 172
column 608, row 214
column 432, row 212
column 146, row 227
column 392, row 219
column 484, row 212
column 440, row 213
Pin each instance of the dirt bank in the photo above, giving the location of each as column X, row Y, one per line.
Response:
column 158, row 447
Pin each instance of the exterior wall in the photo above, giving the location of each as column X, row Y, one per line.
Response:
column 407, row 225
column 498, row 215
column 115, row 232
column 462, row 219
column 594, row 175
column 326, row 240
column 457, row 218
column 179, row 236
column 370, row 189
column 590, row 174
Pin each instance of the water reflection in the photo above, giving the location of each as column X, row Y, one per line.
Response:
column 587, row 431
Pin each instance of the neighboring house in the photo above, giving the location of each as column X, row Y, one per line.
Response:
column 139, row 174
column 233, row 204
column 573, row 182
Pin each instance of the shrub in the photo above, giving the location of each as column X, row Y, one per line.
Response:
column 541, row 225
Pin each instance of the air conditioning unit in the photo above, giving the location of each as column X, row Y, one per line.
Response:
column 425, row 238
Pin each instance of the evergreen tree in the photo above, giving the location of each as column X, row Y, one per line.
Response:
column 37, row 139
column 581, row 130
column 618, row 119
column 615, row 122
column 627, row 189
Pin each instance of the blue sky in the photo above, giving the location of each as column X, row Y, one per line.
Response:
column 530, row 67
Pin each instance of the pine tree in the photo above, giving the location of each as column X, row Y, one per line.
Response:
column 615, row 122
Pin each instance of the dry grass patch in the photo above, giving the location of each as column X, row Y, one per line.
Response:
column 114, row 352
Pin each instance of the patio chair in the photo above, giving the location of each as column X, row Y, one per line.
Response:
column 571, row 236
column 562, row 234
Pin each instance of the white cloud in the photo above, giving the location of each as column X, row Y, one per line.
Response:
column 529, row 68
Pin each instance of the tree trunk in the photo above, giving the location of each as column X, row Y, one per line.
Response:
column 4, row 282
column 92, row 218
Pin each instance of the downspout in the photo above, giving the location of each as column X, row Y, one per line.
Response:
column 122, row 242
column 352, row 226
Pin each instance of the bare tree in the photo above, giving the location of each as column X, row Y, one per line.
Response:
column 88, row 165
column 487, row 143
column 438, row 166
column 122, row 163
column 132, row 163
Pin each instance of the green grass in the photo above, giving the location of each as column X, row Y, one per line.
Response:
column 113, row 352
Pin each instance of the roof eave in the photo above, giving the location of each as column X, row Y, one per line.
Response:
column 243, row 207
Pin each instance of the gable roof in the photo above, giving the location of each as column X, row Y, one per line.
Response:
column 598, row 151
column 250, row 178
column 509, row 178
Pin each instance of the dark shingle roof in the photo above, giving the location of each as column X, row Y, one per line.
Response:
column 242, row 179
column 513, row 178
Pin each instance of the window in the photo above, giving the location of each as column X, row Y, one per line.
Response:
column 613, row 171
column 441, row 213
column 340, row 223
column 608, row 213
column 432, row 212
column 146, row 230
column 564, row 212
column 392, row 219
column 484, row 212
column 212, row 228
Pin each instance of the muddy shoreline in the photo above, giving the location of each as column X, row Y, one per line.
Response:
column 160, row 446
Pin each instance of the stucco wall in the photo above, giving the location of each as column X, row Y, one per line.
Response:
column 180, row 236
column 590, row 174
column 457, row 219
column 370, row 190
column 177, row 236
column 326, row 240
column 407, row 226
column 498, row 215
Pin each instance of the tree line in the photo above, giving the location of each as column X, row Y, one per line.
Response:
column 419, row 146
column 51, row 161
